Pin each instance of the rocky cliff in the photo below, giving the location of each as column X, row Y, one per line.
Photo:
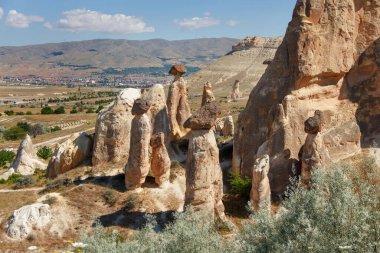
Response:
column 328, row 61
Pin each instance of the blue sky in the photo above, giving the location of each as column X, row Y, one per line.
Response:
column 24, row 22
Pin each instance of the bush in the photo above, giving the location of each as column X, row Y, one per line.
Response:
column 90, row 110
column 100, row 107
column 56, row 184
column 45, row 152
column 23, row 181
column 239, row 185
column 24, row 125
column 337, row 213
column 14, row 133
column 47, row 110
column 11, row 179
column 110, row 198
column 6, row 157
column 73, row 111
column 9, row 112
column 36, row 129
column 29, row 113
column 54, row 129
column 60, row 110
column 20, row 113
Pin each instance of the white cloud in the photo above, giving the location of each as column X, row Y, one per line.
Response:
column 232, row 23
column 198, row 22
column 87, row 20
column 20, row 20
column 1, row 12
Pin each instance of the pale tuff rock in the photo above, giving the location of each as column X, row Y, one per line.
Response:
column 235, row 94
column 26, row 219
column 260, row 191
column 314, row 154
column 177, row 103
column 113, row 127
column 225, row 126
column 138, row 164
column 26, row 160
column 333, row 71
column 160, row 163
column 257, row 42
column 204, row 185
column 208, row 96
column 70, row 154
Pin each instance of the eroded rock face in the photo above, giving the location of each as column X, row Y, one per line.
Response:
column 178, row 106
column 314, row 153
column 160, row 163
column 138, row 164
column 204, row 184
column 225, row 126
column 70, row 154
column 208, row 95
column 113, row 126
column 26, row 219
column 311, row 71
column 26, row 160
column 235, row 94
column 260, row 191
column 205, row 118
column 257, row 42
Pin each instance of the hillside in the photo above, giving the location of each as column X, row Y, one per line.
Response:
column 84, row 57
column 246, row 62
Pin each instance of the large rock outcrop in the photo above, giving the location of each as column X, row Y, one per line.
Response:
column 26, row 219
column 204, row 184
column 177, row 103
column 138, row 165
column 70, row 154
column 113, row 127
column 329, row 61
column 26, row 160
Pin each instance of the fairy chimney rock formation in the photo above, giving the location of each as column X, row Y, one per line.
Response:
column 138, row 165
column 204, row 185
column 225, row 126
column 113, row 127
column 177, row 103
column 314, row 154
column 260, row 191
column 208, row 95
column 335, row 71
column 235, row 94
column 70, row 154
column 160, row 163
column 26, row 160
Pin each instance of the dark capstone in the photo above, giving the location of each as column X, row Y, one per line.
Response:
column 204, row 118
column 177, row 69
column 140, row 106
column 313, row 124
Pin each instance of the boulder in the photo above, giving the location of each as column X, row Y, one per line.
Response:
column 204, row 183
column 70, row 154
column 334, row 71
column 204, row 118
column 26, row 219
column 208, row 95
column 112, row 131
column 138, row 165
column 160, row 163
column 178, row 106
column 26, row 160
column 260, row 191
column 225, row 126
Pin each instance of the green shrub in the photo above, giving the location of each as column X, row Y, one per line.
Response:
column 45, row 152
column 239, row 185
column 337, row 213
column 14, row 133
column 29, row 113
column 54, row 129
column 23, row 181
column 6, row 156
column 109, row 197
column 90, row 110
column 11, row 179
column 20, row 113
column 100, row 107
column 47, row 110
column 73, row 111
column 60, row 110
column 24, row 125
column 9, row 112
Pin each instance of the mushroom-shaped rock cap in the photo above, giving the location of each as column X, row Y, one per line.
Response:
column 177, row 69
column 140, row 106
column 313, row 124
column 157, row 139
column 205, row 118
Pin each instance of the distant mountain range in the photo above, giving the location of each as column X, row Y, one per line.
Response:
column 85, row 57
